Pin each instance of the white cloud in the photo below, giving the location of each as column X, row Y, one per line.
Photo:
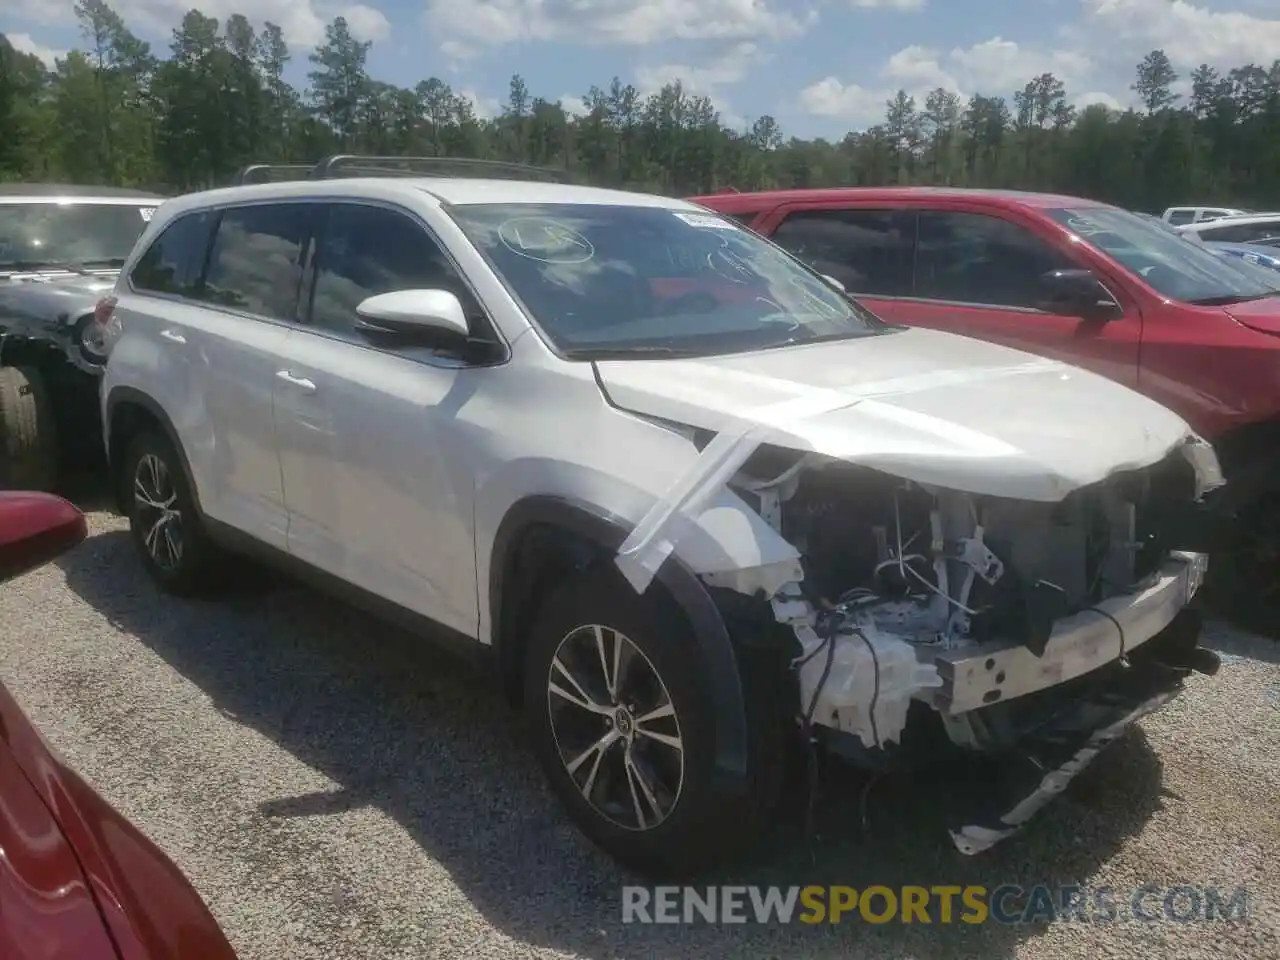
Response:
column 486, row 108
column 302, row 21
column 41, row 11
column 999, row 66
column 709, row 79
column 1096, row 55
column 1097, row 97
column 366, row 23
column 918, row 66
column 573, row 106
column 888, row 4
column 23, row 43
column 1190, row 34
column 995, row 67
column 829, row 97
column 633, row 22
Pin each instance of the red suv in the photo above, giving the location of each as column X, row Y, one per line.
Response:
column 1081, row 281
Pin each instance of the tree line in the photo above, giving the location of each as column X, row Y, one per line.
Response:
column 117, row 112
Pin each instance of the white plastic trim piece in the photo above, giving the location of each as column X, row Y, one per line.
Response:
column 651, row 542
column 655, row 536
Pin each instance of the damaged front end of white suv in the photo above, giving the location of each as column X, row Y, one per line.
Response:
column 1036, row 613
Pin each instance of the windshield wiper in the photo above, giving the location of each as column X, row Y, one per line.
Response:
column 830, row 337
column 104, row 262
column 627, row 353
column 1227, row 301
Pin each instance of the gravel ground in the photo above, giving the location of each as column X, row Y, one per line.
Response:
column 337, row 790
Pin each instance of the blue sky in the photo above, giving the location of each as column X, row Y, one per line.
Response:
column 821, row 67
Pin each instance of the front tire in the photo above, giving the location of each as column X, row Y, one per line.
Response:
column 616, row 702
column 1244, row 582
column 28, row 432
column 164, row 521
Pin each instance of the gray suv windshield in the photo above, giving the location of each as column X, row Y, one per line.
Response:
column 35, row 235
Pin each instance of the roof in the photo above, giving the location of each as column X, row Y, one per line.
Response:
column 769, row 198
column 19, row 191
column 457, row 191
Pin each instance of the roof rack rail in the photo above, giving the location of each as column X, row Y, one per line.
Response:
column 353, row 165
column 270, row 173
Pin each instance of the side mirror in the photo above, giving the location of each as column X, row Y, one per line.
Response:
column 423, row 317
column 35, row 528
column 1079, row 293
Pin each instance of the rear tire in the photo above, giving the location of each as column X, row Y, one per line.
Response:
column 28, row 435
column 611, row 756
column 164, row 521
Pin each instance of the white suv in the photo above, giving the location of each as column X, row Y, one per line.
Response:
column 685, row 497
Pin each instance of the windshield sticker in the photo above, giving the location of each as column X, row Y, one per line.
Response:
column 1084, row 227
column 705, row 220
column 817, row 299
column 544, row 240
column 732, row 267
column 146, row 213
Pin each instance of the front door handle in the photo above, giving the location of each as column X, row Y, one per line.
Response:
column 173, row 337
column 301, row 382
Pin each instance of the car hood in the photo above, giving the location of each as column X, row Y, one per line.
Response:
column 1261, row 315
column 919, row 404
column 58, row 299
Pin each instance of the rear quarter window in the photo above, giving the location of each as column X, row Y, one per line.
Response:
column 173, row 262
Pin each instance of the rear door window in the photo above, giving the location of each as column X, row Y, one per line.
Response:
column 174, row 261
column 869, row 251
column 980, row 259
column 1181, row 217
column 255, row 263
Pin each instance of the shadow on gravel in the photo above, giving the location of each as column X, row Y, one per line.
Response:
column 412, row 732
column 1235, row 644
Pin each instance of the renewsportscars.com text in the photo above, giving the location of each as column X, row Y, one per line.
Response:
column 941, row 904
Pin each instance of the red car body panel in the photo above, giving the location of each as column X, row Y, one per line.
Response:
column 77, row 880
column 1218, row 367
column 46, row 909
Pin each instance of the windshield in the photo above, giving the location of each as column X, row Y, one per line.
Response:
column 35, row 235
column 604, row 280
column 1172, row 265
column 1268, row 275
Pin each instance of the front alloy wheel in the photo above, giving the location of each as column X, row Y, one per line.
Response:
column 158, row 515
column 615, row 727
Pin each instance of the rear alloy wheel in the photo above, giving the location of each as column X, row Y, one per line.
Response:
column 164, row 521
column 615, row 727
column 155, row 505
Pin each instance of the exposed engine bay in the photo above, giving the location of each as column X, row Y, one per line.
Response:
column 901, row 580
column 993, row 593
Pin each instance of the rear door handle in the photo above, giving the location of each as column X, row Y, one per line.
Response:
column 301, row 382
column 173, row 337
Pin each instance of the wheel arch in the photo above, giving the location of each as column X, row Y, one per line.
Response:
column 1241, row 448
column 542, row 538
column 128, row 411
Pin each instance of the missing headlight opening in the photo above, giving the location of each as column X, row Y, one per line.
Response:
column 990, row 612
